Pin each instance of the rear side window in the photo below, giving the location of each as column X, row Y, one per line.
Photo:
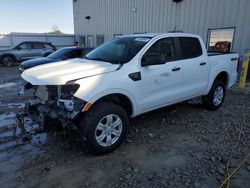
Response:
column 48, row 46
column 37, row 46
column 190, row 47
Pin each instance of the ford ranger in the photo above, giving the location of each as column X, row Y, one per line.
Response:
column 126, row 77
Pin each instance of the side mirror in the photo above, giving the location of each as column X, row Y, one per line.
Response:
column 153, row 59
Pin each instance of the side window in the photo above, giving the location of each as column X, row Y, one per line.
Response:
column 37, row 46
column 166, row 47
column 25, row 46
column 74, row 54
column 190, row 47
column 47, row 46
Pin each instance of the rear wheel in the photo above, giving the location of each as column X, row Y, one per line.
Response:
column 104, row 127
column 216, row 96
column 8, row 61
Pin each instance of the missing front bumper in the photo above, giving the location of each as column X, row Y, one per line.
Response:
column 50, row 117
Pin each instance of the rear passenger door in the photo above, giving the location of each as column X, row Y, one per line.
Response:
column 195, row 67
column 37, row 49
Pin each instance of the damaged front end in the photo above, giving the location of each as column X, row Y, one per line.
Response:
column 54, row 104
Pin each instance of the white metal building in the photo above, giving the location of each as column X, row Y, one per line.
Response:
column 223, row 24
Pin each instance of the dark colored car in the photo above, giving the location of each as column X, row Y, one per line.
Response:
column 24, row 51
column 59, row 55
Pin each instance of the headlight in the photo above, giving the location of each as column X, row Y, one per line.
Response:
column 73, row 104
column 66, row 91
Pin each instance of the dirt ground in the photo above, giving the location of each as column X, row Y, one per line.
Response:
column 179, row 146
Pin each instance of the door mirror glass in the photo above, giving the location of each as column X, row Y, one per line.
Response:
column 153, row 59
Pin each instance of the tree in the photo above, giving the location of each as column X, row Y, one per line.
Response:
column 55, row 30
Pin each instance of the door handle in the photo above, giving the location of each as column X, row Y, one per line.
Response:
column 203, row 63
column 176, row 69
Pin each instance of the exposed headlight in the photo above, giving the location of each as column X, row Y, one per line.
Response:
column 74, row 104
column 64, row 91
column 68, row 90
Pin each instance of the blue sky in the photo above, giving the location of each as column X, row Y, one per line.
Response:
column 36, row 15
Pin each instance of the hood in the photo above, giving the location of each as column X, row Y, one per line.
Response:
column 60, row 73
column 38, row 61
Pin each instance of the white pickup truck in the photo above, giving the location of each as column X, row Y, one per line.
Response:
column 126, row 77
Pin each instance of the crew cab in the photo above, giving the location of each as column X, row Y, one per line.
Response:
column 126, row 77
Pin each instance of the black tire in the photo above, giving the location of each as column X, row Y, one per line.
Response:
column 208, row 100
column 8, row 61
column 97, row 114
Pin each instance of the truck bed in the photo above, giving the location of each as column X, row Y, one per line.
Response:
column 219, row 53
column 227, row 62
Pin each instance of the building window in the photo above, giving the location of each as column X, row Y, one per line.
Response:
column 117, row 35
column 220, row 40
column 99, row 40
column 90, row 41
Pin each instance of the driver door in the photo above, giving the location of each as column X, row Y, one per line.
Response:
column 162, row 84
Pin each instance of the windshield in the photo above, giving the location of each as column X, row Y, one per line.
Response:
column 59, row 54
column 118, row 50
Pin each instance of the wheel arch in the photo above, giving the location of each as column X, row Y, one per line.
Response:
column 123, row 99
column 223, row 76
column 7, row 54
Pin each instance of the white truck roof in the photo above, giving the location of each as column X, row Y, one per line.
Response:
column 151, row 35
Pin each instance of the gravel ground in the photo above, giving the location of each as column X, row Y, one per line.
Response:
column 179, row 146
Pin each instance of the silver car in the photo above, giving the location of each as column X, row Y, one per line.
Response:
column 24, row 51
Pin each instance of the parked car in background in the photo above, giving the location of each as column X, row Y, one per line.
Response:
column 24, row 51
column 59, row 55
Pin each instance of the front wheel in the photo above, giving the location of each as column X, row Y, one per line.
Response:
column 104, row 127
column 215, row 98
column 8, row 61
